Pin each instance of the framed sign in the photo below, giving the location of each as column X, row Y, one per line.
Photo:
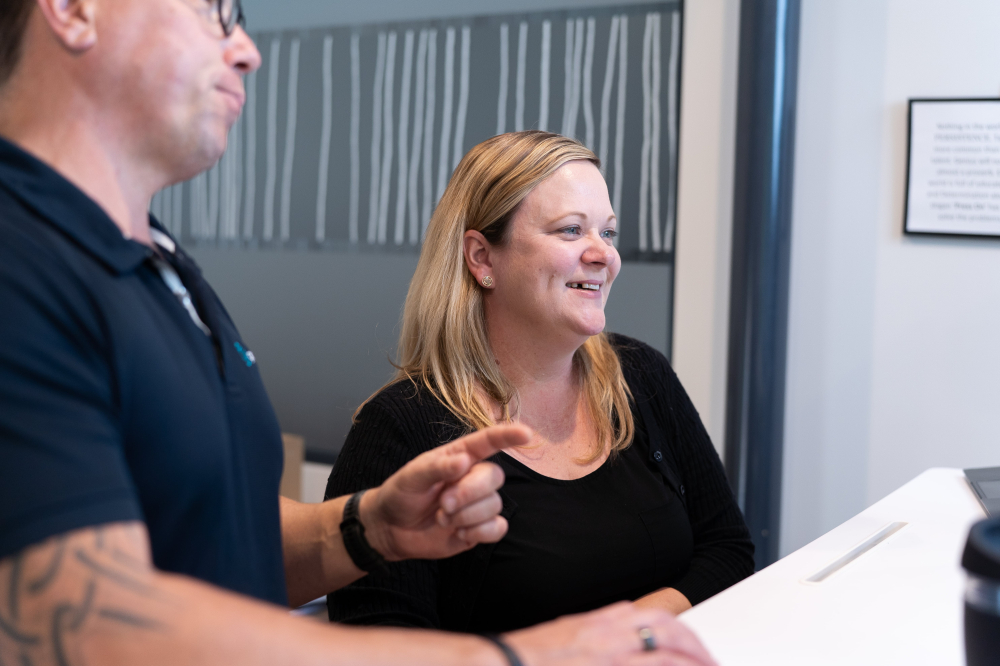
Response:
column 953, row 168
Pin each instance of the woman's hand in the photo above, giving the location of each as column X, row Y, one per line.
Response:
column 442, row 502
column 610, row 636
column 666, row 598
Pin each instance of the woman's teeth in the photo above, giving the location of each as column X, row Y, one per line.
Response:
column 584, row 285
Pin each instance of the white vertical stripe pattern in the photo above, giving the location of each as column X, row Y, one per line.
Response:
column 574, row 104
column 212, row 218
column 620, row 115
column 429, row 132
column 178, row 210
column 672, row 73
column 449, row 86
column 646, row 129
column 271, row 178
column 250, row 156
column 176, row 203
column 212, row 228
column 654, row 154
column 458, row 147
column 324, row 142
column 418, row 130
column 387, row 137
column 229, row 206
column 237, row 192
column 404, row 139
column 203, row 227
column 522, row 62
column 291, row 118
column 355, row 196
column 568, row 75
column 228, row 231
column 504, row 78
column 225, row 172
column 223, row 198
column 609, row 76
column 193, row 218
column 166, row 207
column 543, row 105
column 202, row 211
column 228, row 188
column 588, row 76
column 376, row 155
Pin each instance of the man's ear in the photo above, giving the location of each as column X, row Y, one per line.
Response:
column 477, row 251
column 72, row 22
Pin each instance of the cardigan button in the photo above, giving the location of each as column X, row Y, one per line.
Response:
column 683, row 490
column 657, row 456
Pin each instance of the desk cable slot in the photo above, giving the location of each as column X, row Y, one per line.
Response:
column 855, row 552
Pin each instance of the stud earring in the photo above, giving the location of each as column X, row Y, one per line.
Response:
column 487, row 281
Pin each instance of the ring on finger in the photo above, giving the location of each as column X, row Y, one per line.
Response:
column 646, row 636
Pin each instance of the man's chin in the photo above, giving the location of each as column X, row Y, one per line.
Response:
column 202, row 158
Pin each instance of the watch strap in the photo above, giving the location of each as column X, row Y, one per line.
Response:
column 352, row 532
column 508, row 651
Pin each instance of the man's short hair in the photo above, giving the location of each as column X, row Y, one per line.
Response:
column 13, row 21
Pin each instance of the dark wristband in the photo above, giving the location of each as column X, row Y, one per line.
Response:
column 508, row 651
column 352, row 531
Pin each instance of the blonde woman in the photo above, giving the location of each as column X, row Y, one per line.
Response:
column 620, row 494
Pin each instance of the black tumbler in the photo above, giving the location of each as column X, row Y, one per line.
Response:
column 981, row 560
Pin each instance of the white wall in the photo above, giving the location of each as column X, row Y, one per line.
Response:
column 894, row 342
column 705, row 205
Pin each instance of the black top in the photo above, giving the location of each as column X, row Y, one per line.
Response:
column 115, row 406
column 620, row 532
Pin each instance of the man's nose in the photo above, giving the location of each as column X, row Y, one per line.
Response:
column 241, row 53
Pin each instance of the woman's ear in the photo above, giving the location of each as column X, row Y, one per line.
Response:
column 478, row 255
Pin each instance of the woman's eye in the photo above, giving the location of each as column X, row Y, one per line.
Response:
column 572, row 231
column 609, row 233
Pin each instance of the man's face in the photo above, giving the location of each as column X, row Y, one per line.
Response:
column 171, row 79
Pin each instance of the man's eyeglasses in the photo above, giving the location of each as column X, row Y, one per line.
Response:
column 229, row 13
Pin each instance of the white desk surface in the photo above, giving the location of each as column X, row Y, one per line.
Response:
column 899, row 603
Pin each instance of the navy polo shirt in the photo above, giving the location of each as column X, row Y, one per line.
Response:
column 115, row 406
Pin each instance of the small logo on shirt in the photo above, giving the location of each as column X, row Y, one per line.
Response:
column 245, row 354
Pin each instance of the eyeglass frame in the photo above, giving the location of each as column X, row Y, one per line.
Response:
column 236, row 16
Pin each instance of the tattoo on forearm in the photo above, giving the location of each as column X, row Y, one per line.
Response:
column 119, row 577
column 131, row 619
column 38, row 586
column 51, row 595
column 69, row 618
column 9, row 624
column 121, row 557
column 13, row 603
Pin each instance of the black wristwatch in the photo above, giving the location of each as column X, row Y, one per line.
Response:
column 352, row 531
column 508, row 651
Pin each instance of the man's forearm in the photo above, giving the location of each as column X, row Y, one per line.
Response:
column 92, row 597
column 316, row 562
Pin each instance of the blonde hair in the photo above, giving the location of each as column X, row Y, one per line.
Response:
column 444, row 340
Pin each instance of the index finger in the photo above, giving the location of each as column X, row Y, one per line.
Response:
column 484, row 443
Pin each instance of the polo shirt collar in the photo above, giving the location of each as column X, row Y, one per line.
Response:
column 64, row 206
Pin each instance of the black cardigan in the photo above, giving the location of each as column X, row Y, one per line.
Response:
column 405, row 420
